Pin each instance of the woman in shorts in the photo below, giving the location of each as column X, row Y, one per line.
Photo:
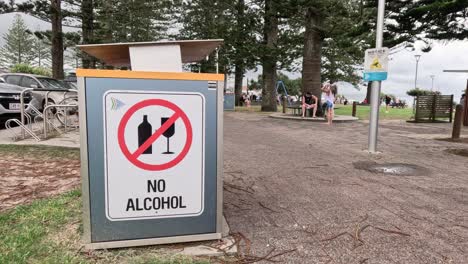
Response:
column 329, row 102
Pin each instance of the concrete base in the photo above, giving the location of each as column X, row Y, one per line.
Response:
column 199, row 245
column 336, row 119
column 226, row 246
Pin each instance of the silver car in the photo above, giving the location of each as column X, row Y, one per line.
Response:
column 10, row 102
column 41, row 82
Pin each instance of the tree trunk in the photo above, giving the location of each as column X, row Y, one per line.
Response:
column 311, row 66
column 368, row 93
column 57, row 39
column 239, row 60
column 87, row 27
column 238, row 78
column 269, row 59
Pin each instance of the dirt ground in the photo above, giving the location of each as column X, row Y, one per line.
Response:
column 295, row 190
column 25, row 178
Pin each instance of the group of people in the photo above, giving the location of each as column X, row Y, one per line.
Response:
column 310, row 101
column 246, row 99
column 393, row 102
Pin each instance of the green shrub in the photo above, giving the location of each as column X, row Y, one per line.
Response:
column 26, row 68
column 418, row 92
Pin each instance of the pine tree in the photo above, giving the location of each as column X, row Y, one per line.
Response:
column 130, row 20
column 233, row 21
column 58, row 13
column 334, row 42
column 87, row 29
column 5, row 7
column 18, row 44
column 428, row 19
column 270, row 55
column 41, row 51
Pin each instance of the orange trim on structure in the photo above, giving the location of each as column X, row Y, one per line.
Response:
column 189, row 76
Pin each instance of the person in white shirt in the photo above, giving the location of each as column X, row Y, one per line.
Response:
column 329, row 102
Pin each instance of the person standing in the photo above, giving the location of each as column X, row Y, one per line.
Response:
column 309, row 101
column 329, row 102
column 388, row 100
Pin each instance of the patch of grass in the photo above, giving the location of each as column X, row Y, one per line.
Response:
column 363, row 112
column 25, row 229
column 41, row 151
column 49, row 231
column 255, row 108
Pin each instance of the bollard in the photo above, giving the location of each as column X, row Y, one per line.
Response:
column 285, row 103
column 354, row 109
column 457, row 124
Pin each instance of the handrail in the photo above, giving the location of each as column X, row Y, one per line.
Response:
column 29, row 120
column 22, row 107
column 24, row 128
column 40, row 115
column 45, row 114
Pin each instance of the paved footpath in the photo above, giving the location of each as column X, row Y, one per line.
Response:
column 292, row 189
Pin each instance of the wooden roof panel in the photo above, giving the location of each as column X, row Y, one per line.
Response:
column 118, row 54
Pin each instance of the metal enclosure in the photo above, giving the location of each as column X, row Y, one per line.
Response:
column 100, row 231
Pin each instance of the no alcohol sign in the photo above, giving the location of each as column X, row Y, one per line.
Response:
column 154, row 166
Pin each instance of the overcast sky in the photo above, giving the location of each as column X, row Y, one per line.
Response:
column 402, row 67
column 450, row 55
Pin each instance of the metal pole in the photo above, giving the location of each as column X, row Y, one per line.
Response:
column 22, row 105
column 465, row 107
column 376, row 85
column 457, row 124
column 22, row 112
column 416, row 73
column 432, row 87
column 217, row 64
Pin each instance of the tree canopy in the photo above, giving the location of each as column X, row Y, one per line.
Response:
column 325, row 39
column 18, row 47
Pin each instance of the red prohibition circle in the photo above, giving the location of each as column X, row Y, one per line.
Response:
column 178, row 113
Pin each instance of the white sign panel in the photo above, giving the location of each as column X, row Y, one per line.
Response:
column 154, row 154
column 376, row 60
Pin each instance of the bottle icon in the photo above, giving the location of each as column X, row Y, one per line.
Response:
column 144, row 132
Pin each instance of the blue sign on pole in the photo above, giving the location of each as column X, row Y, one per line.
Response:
column 375, row 76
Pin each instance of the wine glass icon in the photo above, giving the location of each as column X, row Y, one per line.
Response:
column 168, row 133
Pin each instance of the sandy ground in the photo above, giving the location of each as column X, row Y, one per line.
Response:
column 292, row 189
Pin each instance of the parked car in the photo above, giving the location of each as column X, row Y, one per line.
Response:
column 10, row 104
column 69, row 85
column 41, row 82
